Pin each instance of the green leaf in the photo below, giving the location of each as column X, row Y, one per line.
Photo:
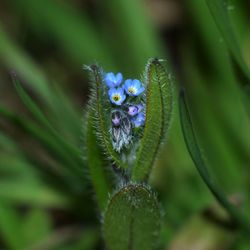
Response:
column 159, row 107
column 96, row 164
column 195, row 153
column 219, row 10
column 132, row 219
column 99, row 106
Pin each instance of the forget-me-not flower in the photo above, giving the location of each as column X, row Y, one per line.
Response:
column 117, row 96
column 133, row 87
column 139, row 120
column 113, row 80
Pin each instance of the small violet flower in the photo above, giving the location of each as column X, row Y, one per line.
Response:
column 133, row 87
column 113, row 80
column 139, row 120
column 116, row 96
column 134, row 109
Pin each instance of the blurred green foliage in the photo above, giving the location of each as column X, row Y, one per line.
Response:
column 46, row 198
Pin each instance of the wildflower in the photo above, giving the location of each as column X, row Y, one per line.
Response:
column 113, row 80
column 139, row 120
column 134, row 109
column 133, row 87
column 117, row 96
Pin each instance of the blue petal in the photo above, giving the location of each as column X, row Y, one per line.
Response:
column 119, row 78
column 136, row 83
column 111, row 91
column 113, row 80
column 120, row 91
column 140, row 90
column 127, row 84
column 139, row 120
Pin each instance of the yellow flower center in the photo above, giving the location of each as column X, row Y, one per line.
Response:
column 131, row 90
column 116, row 98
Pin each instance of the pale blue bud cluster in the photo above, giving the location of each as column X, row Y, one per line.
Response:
column 128, row 110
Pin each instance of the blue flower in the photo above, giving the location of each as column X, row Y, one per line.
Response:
column 113, row 80
column 117, row 96
column 139, row 120
column 134, row 109
column 133, row 87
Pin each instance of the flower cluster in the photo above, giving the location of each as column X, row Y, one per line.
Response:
column 128, row 112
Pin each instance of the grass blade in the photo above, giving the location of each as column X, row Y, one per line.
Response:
column 25, row 192
column 11, row 232
column 219, row 10
column 72, row 30
column 195, row 153
column 71, row 164
column 38, row 114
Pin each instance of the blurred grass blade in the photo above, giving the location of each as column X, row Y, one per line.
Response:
column 13, row 165
column 219, row 10
column 71, row 164
column 72, row 30
column 88, row 240
column 16, row 59
column 195, row 153
column 18, row 191
column 96, row 164
column 132, row 219
column 38, row 114
column 99, row 106
column 159, row 107
column 10, row 229
column 134, row 30
column 36, row 226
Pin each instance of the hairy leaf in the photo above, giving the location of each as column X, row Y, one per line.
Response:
column 96, row 163
column 100, row 109
column 132, row 219
column 159, row 106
